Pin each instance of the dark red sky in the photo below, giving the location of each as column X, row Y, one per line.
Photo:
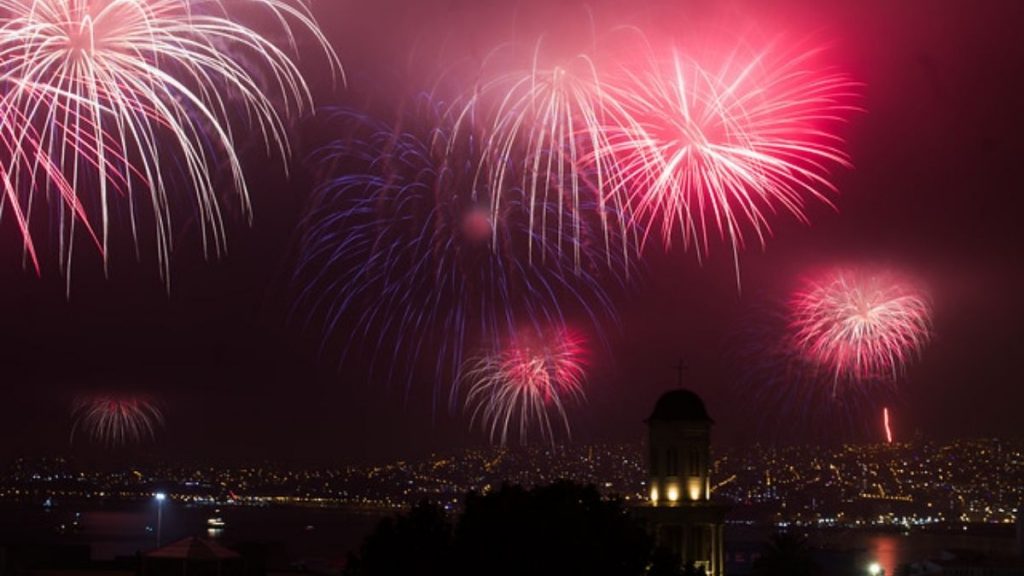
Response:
column 936, row 191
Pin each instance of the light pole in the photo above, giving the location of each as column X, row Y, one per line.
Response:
column 160, row 497
column 875, row 569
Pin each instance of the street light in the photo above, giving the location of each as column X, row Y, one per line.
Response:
column 875, row 569
column 160, row 497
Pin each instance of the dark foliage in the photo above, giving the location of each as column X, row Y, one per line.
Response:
column 665, row 563
column 562, row 528
column 415, row 543
column 786, row 554
column 558, row 529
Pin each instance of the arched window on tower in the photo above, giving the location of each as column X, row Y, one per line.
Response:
column 671, row 462
column 694, row 462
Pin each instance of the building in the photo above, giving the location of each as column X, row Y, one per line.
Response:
column 192, row 557
column 1020, row 531
column 679, row 511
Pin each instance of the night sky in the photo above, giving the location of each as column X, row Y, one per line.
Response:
column 935, row 192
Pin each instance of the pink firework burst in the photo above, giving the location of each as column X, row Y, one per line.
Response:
column 132, row 104
column 113, row 420
column 715, row 151
column 524, row 384
column 860, row 325
column 542, row 125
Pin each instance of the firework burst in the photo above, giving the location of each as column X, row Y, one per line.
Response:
column 407, row 248
column 789, row 395
column 712, row 152
column 524, row 385
column 860, row 325
column 114, row 421
column 542, row 128
column 130, row 96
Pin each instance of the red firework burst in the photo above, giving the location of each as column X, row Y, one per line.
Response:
column 860, row 325
column 715, row 151
column 116, row 420
column 522, row 384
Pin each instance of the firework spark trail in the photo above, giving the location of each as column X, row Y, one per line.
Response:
column 405, row 248
column 520, row 386
column 705, row 152
column 543, row 131
column 885, row 423
column 121, row 91
column 116, row 420
column 28, row 167
column 860, row 325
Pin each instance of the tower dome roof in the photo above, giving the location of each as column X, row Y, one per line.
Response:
column 680, row 405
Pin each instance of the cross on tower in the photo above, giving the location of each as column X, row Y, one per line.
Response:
column 680, row 369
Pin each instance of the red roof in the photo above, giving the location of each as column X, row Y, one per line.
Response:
column 194, row 549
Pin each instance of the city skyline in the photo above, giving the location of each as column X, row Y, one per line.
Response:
column 910, row 485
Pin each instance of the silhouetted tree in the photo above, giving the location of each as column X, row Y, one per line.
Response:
column 665, row 563
column 786, row 554
column 415, row 543
column 563, row 528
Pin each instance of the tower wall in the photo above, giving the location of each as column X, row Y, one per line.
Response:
column 679, row 512
column 679, row 459
column 1020, row 531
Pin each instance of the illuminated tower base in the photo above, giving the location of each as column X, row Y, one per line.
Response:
column 680, row 513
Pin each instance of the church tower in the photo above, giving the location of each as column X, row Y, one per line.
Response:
column 679, row 511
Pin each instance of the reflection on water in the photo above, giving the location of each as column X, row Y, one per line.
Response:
column 123, row 529
column 891, row 550
column 849, row 551
column 885, row 549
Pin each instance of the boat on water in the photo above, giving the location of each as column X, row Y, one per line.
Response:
column 215, row 521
